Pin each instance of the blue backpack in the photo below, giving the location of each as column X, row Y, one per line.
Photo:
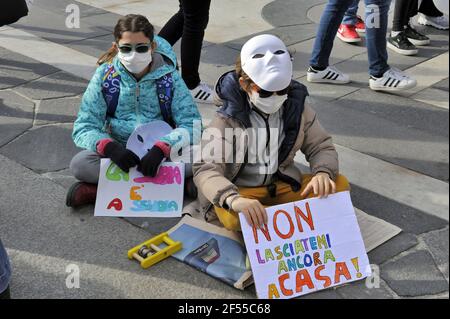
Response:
column 111, row 92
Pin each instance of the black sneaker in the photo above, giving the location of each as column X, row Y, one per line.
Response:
column 416, row 37
column 401, row 44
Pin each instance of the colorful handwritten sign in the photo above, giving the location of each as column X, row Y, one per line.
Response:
column 307, row 246
column 131, row 194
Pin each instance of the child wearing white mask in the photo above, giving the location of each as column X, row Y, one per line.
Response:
column 271, row 119
column 136, row 83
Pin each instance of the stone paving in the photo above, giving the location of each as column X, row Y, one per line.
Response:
column 393, row 148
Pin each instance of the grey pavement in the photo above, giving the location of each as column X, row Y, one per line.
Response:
column 395, row 149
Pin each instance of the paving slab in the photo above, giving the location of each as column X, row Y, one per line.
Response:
column 408, row 218
column 94, row 47
column 16, row 115
column 43, row 149
column 414, row 274
column 392, row 248
column 245, row 18
column 54, row 111
column 52, row 26
column 324, row 294
column 63, row 178
column 59, row 7
column 56, row 85
column 289, row 34
column 442, row 85
column 341, row 52
column 288, row 12
column 399, row 110
column 428, row 73
column 371, row 123
column 359, row 290
column 432, row 96
column 105, row 20
column 437, row 243
column 17, row 69
column 48, row 52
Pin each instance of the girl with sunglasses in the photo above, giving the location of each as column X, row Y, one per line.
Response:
column 130, row 74
column 271, row 119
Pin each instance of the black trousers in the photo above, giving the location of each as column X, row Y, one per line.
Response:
column 189, row 24
column 406, row 9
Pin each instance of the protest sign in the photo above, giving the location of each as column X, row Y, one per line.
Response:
column 131, row 194
column 306, row 246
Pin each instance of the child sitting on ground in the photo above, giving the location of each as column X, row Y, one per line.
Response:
column 271, row 119
column 136, row 83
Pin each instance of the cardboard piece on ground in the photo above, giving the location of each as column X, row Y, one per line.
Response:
column 132, row 195
column 214, row 250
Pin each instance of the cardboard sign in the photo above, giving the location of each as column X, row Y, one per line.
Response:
column 307, row 246
column 133, row 195
column 213, row 250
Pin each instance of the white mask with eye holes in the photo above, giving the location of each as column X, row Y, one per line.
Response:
column 266, row 60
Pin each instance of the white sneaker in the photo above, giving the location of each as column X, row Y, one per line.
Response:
column 440, row 23
column 203, row 93
column 393, row 80
column 329, row 75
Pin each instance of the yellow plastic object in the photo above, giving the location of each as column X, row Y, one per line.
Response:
column 159, row 253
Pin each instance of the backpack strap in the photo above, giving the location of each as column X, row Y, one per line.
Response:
column 164, row 87
column 111, row 93
column 111, row 89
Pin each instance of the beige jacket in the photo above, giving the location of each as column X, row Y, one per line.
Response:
column 214, row 179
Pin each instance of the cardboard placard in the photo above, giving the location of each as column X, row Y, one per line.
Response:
column 307, row 246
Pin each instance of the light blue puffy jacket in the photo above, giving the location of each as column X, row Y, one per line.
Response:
column 138, row 104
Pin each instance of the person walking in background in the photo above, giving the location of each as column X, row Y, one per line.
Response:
column 404, row 37
column 189, row 24
column 431, row 16
column 5, row 273
column 351, row 25
column 382, row 76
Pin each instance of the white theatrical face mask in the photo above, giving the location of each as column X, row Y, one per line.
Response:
column 135, row 62
column 268, row 105
column 266, row 60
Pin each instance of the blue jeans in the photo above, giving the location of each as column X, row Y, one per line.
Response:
column 375, row 34
column 351, row 15
column 5, row 269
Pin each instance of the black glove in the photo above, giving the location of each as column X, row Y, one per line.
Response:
column 122, row 157
column 150, row 162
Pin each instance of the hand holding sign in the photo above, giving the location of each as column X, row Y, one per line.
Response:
column 253, row 210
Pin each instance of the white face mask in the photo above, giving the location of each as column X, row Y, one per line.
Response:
column 268, row 105
column 266, row 60
column 135, row 62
